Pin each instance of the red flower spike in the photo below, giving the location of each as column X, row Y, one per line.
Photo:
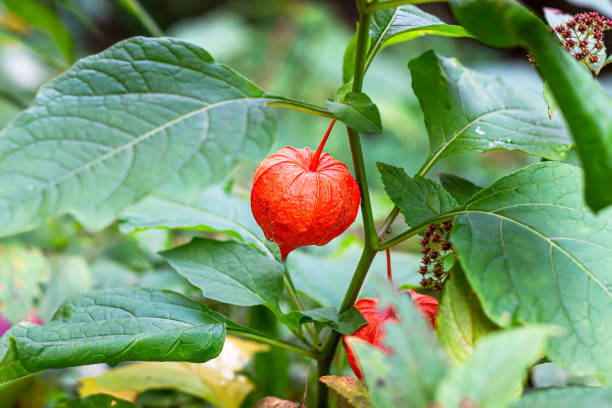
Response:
column 296, row 205
column 373, row 332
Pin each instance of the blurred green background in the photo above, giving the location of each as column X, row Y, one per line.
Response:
column 292, row 48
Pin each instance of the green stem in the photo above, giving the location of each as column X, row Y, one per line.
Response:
column 260, row 338
column 134, row 7
column 371, row 237
column 373, row 7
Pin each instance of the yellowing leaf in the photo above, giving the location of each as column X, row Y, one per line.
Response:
column 350, row 388
column 215, row 381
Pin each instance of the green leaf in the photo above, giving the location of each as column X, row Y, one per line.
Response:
column 417, row 198
column 358, row 112
column 112, row 326
column 493, row 376
column 460, row 188
column 212, row 210
column 229, row 272
column 534, row 253
column 405, row 23
column 345, row 323
column 97, row 401
column 22, row 272
column 70, row 276
column 140, row 102
column 46, row 18
column 353, row 390
column 584, row 103
column 567, row 397
column 461, row 321
column 410, row 375
column 468, row 111
column 348, row 61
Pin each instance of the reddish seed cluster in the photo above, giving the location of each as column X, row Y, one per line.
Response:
column 435, row 248
column 582, row 36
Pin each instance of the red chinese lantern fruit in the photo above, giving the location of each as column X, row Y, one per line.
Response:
column 300, row 197
column 374, row 333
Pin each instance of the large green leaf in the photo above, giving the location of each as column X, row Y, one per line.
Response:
column 409, row 376
column 111, row 326
column 229, row 271
column 146, row 110
column 212, row 210
column 97, row 401
column 468, row 111
column 567, row 397
column 417, row 198
column 22, row 272
column 584, row 103
column 534, row 253
column 461, row 321
column 493, row 376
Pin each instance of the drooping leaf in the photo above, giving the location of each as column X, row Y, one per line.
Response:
column 461, row 321
column 345, row 323
column 584, row 103
column 350, row 388
column 357, row 111
column 567, row 397
column 460, row 188
column 113, row 326
column 140, row 102
column 70, row 276
column 534, row 253
column 97, row 401
column 216, row 381
column 212, row 210
column 46, row 18
column 410, row 375
column 468, row 111
column 493, row 375
column 417, row 198
column 229, row 271
column 22, row 272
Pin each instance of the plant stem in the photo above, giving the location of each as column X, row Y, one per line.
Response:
column 260, row 338
column 134, row 7
column 315, row 160
column 371, row 238
column 373, row 7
